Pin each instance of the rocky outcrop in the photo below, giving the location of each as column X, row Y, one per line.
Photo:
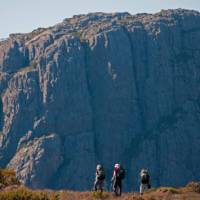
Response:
column 36, row 161
column 103, row 88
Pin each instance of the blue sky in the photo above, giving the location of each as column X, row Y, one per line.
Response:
column 26, row 15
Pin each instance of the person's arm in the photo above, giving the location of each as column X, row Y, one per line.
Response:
column 97, row 175
column 113, row 177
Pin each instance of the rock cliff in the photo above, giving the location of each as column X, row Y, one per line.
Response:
column 103, row 88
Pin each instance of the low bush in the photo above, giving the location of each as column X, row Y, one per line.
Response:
column 8, row 177
column 193, row 187
column 99, row 195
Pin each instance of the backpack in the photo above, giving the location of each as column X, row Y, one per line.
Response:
column 101, row 175
column 145, row 178
column 121, row 174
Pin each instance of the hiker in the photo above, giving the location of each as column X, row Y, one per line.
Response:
column 99, row 179
column 145, row 181
column 118, row 176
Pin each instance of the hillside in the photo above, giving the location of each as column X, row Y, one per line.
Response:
column 187, row 193
column 11, row 189
column 103, row 88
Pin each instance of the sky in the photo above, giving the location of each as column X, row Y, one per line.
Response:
column 20, row 16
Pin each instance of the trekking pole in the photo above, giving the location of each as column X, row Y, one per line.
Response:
column 111, row 186
column 106, row 187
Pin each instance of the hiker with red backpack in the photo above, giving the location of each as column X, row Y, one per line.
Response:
column 118, row 176
column 145, row 181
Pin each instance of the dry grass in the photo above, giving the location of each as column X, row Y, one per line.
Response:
column 67, row 195
column 191, row 187
column 8, row 178
column 13, row 191
column 27, row 194
column 159, row 194
column 168, row 190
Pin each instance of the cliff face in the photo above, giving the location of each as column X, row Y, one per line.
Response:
column 103, row 88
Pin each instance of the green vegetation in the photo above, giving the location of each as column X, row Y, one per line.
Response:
column 78, row 34
column 33, row 64
column 99, row 195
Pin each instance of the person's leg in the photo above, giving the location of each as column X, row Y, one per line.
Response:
column 114, row 185
column 101, row 186
column 120, row 187
column 145, row 187
column 141, row 189
column 95, row 185
column 117, row 187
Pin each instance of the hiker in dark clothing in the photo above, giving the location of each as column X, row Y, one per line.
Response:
column 99, row 178
column 145, row 181
column 118, row 176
